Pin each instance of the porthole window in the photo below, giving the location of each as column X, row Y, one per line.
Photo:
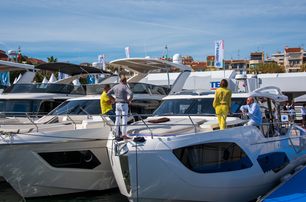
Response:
column 213, row 157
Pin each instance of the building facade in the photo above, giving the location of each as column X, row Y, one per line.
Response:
column 293, row 59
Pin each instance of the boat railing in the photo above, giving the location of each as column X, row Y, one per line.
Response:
column 24, row 118
column 31, row 119
column 161, row 120
column 269, row 128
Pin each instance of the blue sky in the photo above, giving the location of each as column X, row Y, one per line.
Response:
column 78, row 31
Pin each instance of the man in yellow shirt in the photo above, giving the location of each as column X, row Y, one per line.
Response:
column 106, row 103
column 222, row 103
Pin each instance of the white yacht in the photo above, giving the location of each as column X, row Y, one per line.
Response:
column 179, row 153
column 25, row 100
column 65, row 152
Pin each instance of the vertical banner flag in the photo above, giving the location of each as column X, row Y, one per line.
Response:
column 4, row 78
column 219, row 53
column 127, row 52
column 101, row 59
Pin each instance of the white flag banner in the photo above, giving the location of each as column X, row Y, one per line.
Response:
column 127, row 52
column 219, row 53
column 101, row 59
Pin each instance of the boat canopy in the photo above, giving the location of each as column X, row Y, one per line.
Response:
column 146, row 65
column 71, row 69
column 271, row 92
column 7, row 66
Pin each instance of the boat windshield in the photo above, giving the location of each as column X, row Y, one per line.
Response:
column 45, row 88
column 143, row 88
column 78, row 107
column 201, row 106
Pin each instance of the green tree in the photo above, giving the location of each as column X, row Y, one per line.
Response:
column 303, row 68
column 269, row 68
column 52, row 59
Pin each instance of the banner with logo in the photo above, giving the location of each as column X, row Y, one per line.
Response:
column 219, row 53
column 127, row 52
column 5, row 78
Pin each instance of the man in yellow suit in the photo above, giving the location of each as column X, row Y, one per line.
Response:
column 106, row 103
column 222, row 103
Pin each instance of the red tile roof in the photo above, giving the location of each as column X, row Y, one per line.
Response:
column 35, row 61
column 3, row 55
column 292, row 50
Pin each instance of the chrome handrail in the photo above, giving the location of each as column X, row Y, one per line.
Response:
column 32, row 121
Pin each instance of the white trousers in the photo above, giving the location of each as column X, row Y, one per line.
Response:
column 121, row 117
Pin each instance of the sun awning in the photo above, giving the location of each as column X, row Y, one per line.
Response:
column 7, row 66
column 71, row 69
column 146, row 65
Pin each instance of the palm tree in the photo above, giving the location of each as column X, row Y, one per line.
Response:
column 52, row 59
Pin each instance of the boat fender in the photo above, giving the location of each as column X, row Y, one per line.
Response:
column 139, row 139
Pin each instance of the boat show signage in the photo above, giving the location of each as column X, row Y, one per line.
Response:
column 219, row 53
column 214, row 85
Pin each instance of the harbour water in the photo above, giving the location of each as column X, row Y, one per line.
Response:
column 7, row 194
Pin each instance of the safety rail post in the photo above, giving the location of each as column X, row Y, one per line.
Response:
column 32, row 121
column 72, row 121
column 195, row 128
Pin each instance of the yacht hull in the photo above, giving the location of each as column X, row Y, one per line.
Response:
column 150, row 171
column 56, row 163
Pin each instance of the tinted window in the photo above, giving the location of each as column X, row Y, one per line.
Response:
column 158, row 90
column 47, row 106
column 45, row 88
column 202, row 106
column 19, row 107
column 275, row 161
column 144, row 106
column 177, row 107
column 138, row 88
column 78, row 107
column 213, row 157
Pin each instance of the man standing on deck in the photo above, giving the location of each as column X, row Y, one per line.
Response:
column 123, row 96
column 106, row 103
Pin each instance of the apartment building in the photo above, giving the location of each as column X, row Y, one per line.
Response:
column 256, row 58
column 293, row 59
column 278, row 58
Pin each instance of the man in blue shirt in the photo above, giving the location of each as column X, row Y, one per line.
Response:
column 252, row 109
